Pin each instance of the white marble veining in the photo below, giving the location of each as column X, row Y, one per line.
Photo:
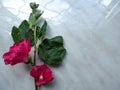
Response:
column 91, row 30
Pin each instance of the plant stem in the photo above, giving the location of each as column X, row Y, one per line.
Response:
column 36, row 88
column 35, row 49
column 34, row 46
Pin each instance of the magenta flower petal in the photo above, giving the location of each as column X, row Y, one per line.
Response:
column 42, row 74
column 18, row 52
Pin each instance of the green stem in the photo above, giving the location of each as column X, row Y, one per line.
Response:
column 35, row 46
column 35, row 49
column 36, row 88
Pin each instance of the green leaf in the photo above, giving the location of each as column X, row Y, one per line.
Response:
column 51, row 51
column 34, row 17
column 55, row 56
column 15, row 34
column 57, row 41
column 30, row 34
column 32, row 20
column 41, row 31
column 38, row 29
column 23, row 32
column 37, row 13
column 23, row 28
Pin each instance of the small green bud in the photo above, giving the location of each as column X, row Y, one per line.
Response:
column 33, row 5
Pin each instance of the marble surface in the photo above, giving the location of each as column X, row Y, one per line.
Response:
column 91, row 29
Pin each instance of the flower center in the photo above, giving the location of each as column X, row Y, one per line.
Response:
column 41, row 77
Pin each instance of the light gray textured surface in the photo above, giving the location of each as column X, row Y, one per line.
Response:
column 91, row 29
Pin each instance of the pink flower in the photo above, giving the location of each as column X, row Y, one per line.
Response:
column 18, row 52
column 42, row 74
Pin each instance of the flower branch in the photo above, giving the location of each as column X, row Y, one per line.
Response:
column 28, row 34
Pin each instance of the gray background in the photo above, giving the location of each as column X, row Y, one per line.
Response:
column 91, row 31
